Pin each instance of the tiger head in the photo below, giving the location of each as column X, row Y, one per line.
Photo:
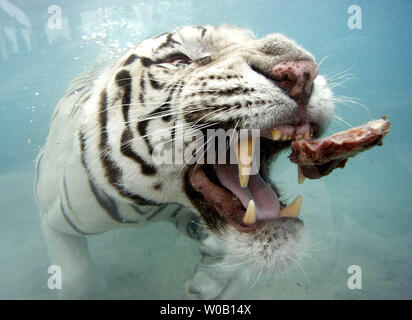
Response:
column 200, row 78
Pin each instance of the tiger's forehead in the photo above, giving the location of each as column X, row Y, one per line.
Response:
column 196, row 41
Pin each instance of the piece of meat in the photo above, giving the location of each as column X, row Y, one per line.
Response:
column 317, row 158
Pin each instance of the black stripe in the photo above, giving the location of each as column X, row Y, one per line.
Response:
column 102, row 198
column 87, row 98
column 173, row 131
column 136, row 209
column 143, row 213
column 103, row 121
column 82, row 148
column 146, row 62
column 132, row 58
column 142, row 125
column 169, row 42
column 166, row 105
column 66, row 199
column 75, row 108
column 175, row 213
column 142, row 129
column 124, row 81
column 154, row 214
column 112, row 172
column 107, row 204
column 66, row 196
column 139, row 200
column 70, row 222
column 163, row 109
column 142, row 88
column 203, row 31
column 155, row 84
column 126, row 150
column 161, row 208
column 123, row 78
column 181, row 84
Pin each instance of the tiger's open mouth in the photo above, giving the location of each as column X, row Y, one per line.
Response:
column 226, row 193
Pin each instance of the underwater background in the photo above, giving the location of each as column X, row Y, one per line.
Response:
column 359, row 216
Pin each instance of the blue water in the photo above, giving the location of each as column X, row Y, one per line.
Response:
column 357, row 216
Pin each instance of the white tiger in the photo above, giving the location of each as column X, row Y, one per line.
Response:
column 96, row 171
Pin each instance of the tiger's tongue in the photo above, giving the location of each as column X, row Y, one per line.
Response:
column 266, row 201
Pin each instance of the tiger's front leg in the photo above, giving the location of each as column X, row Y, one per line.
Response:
column 70, row 254
column 213, row 278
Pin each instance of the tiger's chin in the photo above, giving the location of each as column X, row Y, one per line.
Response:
column 273, row 247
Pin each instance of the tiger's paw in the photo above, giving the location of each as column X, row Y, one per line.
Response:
column 203, row 287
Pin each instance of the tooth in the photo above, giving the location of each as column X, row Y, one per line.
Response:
column 250, row 215
column 301, row 177
column 306, row 136
column 244, row 180
column 292, row 210
column 244, row 159
column 276, row 134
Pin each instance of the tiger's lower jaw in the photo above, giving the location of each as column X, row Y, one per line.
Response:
column 263, row 246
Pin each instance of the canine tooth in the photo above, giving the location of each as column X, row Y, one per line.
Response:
column 244, row 180
column 306, row 136
column 276, row 134
column 292, row 210
column 250, row 215
column 301, row 177
column 244, row 154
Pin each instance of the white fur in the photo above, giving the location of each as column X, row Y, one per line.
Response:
column 63, row 182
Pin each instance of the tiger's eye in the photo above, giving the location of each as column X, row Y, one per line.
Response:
column 180, row 61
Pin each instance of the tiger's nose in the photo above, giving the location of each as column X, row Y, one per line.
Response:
column 295, row 77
